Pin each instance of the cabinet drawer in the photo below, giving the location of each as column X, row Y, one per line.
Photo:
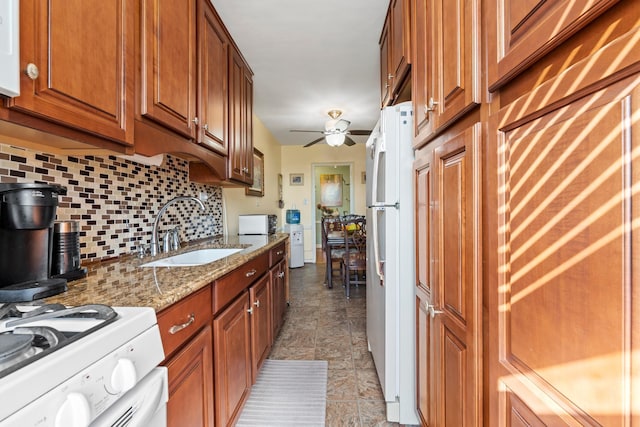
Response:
column 228, row 287
column 276, row 254
column 183, row 319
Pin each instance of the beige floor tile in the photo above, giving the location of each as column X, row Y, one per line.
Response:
column 322, row 324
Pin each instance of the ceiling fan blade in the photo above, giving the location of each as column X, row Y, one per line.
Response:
column 300, row 130
column 314, row 141
column 342, row 125
column 348, row 141
column 360, row 132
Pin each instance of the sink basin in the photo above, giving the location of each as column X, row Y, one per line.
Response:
column 193, row 258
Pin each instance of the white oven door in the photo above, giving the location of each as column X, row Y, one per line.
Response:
column 145, row 405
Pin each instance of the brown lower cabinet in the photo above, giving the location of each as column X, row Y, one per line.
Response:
column 190, row 393
column 217, row 339
column 232, row 359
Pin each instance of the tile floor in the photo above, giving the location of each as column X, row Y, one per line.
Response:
column 322, row 324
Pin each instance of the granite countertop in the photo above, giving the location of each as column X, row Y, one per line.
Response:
column 123, row 283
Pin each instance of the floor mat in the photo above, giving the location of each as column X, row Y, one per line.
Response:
column 287, row 393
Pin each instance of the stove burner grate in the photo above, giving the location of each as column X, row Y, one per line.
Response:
column 23, row 343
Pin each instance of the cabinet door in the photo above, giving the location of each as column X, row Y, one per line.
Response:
column 455, row 52
column 457, row 293
column 168, row 64
column 521, row 32
column 385, row 84
column 247, row 124
column 400, row 50
column 566, row 299
column 191, row 383
column 261, row 330
column 232, row 362
column 240, row 163
column 212, row 80
column 422, row 68
column 278, row 283
column 69, row 43
column 424, row 360
column 424, row 278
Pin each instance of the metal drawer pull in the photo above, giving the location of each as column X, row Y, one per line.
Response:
column 281, row 274
column 257, row 303
column 251, row 273
column 250, row 311
column 279, row 252
column 177, row 328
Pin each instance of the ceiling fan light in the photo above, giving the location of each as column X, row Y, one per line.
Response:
column 335, row 139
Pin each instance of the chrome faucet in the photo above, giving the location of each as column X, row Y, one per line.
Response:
column 155, row 247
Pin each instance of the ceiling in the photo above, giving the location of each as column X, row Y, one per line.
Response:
column 308, row 57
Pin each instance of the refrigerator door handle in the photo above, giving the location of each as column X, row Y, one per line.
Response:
column 379, row 148
column 381, row 206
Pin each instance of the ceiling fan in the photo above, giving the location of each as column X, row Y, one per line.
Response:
column 335, row 131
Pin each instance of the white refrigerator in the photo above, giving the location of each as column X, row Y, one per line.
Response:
column 391, row 260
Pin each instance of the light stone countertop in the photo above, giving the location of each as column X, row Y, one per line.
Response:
column 123, row 283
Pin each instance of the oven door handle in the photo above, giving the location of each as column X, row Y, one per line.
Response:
column 152, row 401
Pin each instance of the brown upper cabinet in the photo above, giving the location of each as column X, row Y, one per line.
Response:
column 395, row 52
column 168, row 64
column 165, row 74
column 240, row 161
column 526, row 31
column 446, row 63
column 213, row 50
column 77, row 73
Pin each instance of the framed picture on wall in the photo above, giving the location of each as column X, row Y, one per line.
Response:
column 296, row 179
column 331, row 189
column 257, row 188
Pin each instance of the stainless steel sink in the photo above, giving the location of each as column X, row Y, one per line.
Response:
column 193, row 258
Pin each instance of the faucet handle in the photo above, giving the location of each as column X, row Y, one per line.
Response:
column 142, row 250
column 175, row 238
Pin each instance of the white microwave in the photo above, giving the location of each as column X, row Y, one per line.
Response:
column 257, row 224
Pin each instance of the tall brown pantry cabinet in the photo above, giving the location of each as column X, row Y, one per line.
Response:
column 448, row 176
column 564, row 301
column 527, row 262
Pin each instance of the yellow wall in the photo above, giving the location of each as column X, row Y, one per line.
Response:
column 300, row 160
column 235, row 200
column 288, row 160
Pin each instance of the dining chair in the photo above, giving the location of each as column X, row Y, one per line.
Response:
column 354, row 259
column 333, row 244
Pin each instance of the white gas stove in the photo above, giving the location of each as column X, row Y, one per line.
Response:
column 73, row 367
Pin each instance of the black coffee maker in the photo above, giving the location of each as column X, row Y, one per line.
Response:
column 27, row 214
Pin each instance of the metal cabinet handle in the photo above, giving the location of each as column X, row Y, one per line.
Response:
column 279, row 252
column 257, row 303
column 250, row 311
column 195, row 121
column 389, row 76
column 32, row 71
column 432, row 106
column 177, row 328
column 281, row 274
column 433, row 312
column 251, row 273
column 205, row 126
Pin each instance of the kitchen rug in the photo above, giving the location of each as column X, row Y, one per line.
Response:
column 287, row 393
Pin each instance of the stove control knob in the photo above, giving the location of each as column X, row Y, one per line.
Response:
column 74, row 412
column 124, row 376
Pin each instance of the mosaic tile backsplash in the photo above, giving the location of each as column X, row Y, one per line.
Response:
column 115, row 200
